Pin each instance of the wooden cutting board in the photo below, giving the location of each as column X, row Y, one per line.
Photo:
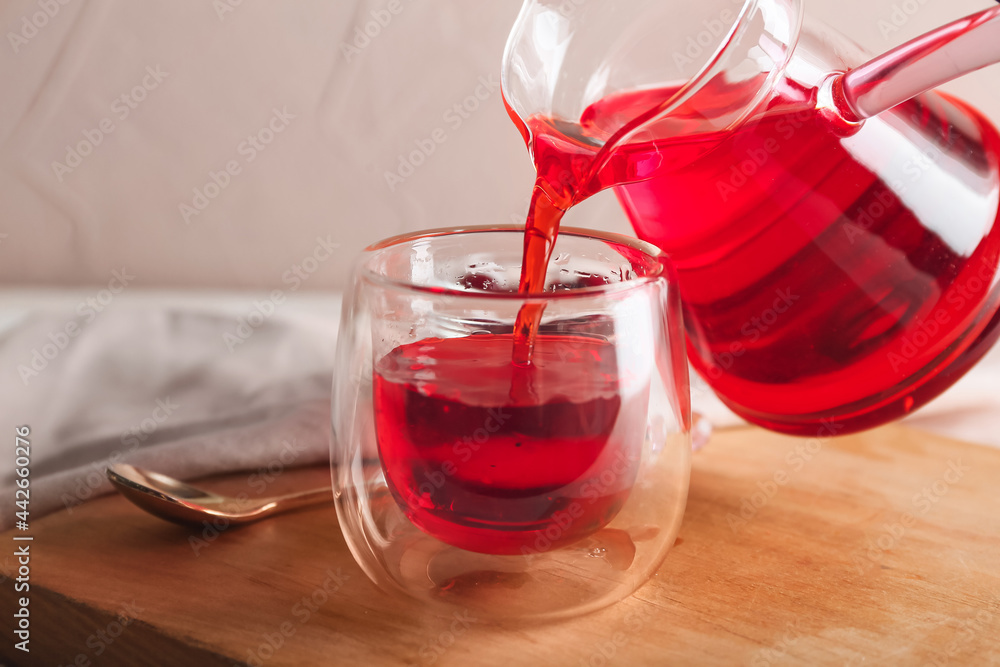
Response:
column 880, row 548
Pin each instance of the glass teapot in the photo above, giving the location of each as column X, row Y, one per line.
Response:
column 833, row 227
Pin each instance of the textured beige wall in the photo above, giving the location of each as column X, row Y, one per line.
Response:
column 169, row 93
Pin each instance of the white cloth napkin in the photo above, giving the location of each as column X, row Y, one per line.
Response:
column 161, row 389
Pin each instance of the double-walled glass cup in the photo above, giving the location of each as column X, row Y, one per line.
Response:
column 521, row 491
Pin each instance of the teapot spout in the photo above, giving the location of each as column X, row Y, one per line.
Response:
column 718, row 58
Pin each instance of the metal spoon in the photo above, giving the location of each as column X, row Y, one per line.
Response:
column 187, row 505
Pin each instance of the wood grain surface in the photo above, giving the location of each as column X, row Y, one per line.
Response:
column 880, row 548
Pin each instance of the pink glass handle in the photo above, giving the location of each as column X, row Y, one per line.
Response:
column 921, row 64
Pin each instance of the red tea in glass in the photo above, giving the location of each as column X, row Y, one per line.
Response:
column 498, row 458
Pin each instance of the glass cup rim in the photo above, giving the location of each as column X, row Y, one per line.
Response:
column 659, row 258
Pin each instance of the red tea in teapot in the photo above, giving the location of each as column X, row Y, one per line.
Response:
column 826, row 276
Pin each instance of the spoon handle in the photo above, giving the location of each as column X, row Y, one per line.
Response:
column 303, row 499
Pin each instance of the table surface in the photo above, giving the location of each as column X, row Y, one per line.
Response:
column 881, row 548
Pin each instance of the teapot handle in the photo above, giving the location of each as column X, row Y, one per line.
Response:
column 926, row 62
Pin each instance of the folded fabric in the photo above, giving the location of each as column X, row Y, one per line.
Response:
column 183, row 392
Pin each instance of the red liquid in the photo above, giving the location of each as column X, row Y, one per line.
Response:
column 823, row 278
column 492, row 470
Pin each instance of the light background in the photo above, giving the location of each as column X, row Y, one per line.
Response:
column 228, row 67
